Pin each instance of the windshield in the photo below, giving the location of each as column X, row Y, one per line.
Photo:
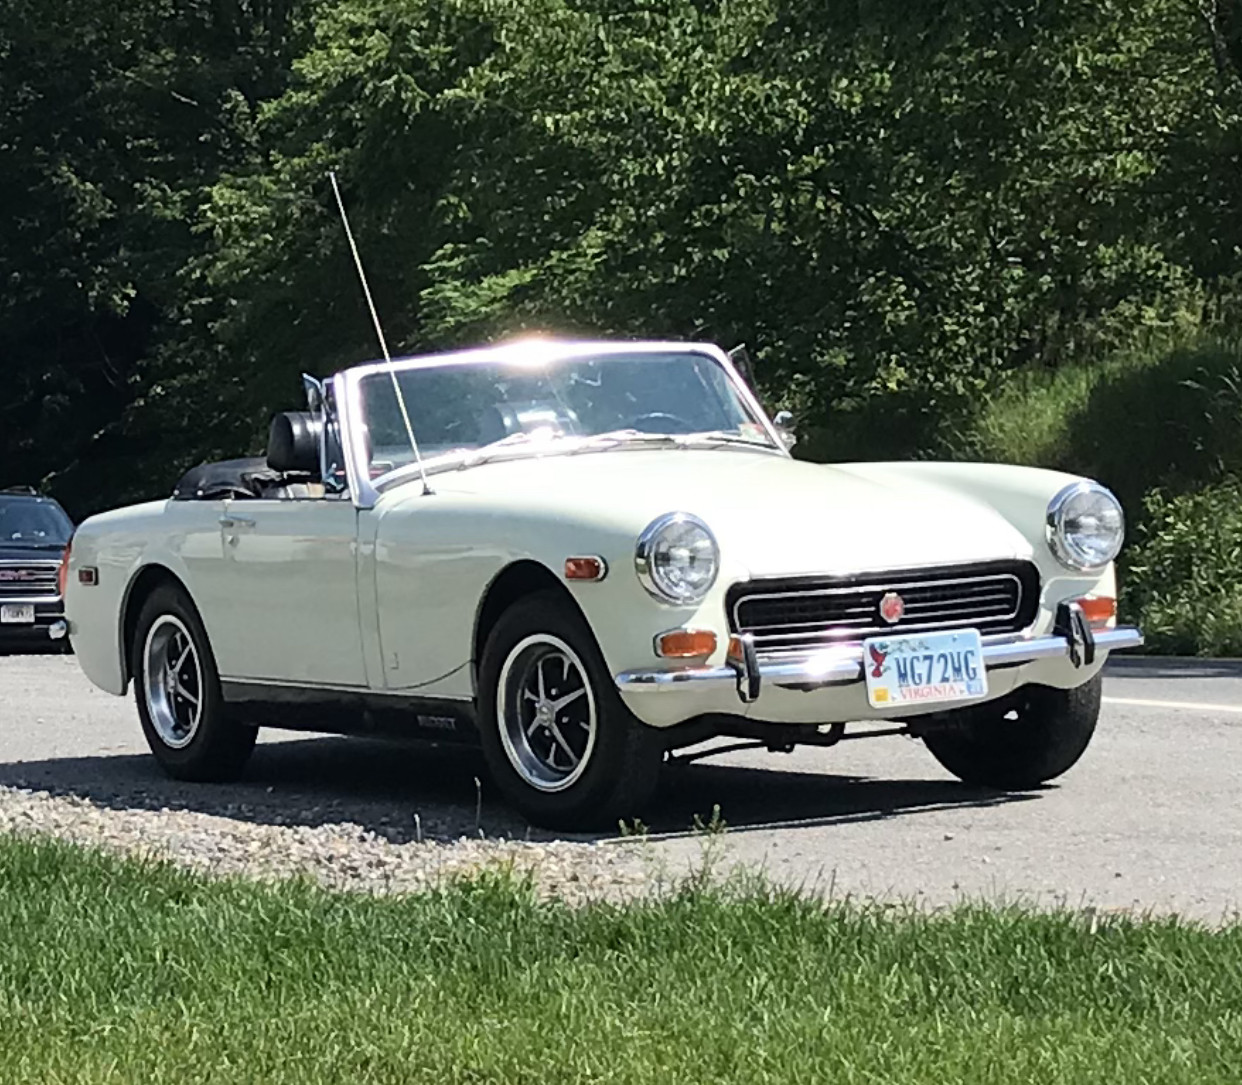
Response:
column 25, row 522
column 560, row 403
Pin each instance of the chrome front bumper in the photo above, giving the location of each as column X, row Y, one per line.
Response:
column 843, row 664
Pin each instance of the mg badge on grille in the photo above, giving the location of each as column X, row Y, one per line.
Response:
column 892, row 607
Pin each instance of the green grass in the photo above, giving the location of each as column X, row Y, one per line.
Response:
column 112, row 971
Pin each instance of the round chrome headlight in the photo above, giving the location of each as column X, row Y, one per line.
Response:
column 677, row 558
column 1085, row 526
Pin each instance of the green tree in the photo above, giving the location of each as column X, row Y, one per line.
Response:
column 114, row 117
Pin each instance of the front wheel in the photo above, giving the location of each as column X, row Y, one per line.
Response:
column 558, row 739
column 1022, row 742
column 178, row 692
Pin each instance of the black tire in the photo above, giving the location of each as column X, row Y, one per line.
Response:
column 215, row 747
column 1050, row 732
column 617, row 771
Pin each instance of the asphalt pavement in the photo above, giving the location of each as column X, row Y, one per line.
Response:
column 1150, row 819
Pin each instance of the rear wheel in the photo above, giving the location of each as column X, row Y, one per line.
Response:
column 1020, row 742
column 558, row 739
column 178, row 693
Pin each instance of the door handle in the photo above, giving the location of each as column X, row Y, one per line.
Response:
column 236, row 521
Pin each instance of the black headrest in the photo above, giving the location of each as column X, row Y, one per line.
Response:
column 293, row 443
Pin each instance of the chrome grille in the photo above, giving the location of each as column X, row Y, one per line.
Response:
column 29, row 580
column 806, row 613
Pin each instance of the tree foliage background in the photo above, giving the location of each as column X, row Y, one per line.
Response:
column 897, row 204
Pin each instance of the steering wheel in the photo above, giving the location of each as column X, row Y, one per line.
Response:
column 682, row 426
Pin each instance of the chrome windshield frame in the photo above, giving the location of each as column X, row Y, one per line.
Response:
column 347, row 386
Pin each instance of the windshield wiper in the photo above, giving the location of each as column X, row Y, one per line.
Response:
column 726, row 437
column 623, row 437
column 543, row 438
column 485, row 452
column 675, row 440
column 571, row 444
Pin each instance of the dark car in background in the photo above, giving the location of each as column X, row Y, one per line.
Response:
column 34, row 532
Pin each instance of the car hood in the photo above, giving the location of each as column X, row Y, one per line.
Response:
column 773, row 516
column 8, row 552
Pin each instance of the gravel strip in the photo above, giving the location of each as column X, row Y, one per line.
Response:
column 342, row 855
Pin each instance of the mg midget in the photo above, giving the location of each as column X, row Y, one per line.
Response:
column 584, row 556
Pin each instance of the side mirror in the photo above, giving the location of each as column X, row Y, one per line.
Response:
column 784, row 423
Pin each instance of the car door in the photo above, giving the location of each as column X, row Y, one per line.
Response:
column 290, row 567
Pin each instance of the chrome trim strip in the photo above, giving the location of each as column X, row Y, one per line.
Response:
column 843, row 663
column 347, row 394
column 882, row 587
column 844, row 629
column 315, row 687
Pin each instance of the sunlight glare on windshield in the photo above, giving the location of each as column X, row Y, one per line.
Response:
column 536, row 397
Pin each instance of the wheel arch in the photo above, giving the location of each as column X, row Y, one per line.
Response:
column 145, row 581
column 514, row 582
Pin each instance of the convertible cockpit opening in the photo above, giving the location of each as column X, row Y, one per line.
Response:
column 289, row 471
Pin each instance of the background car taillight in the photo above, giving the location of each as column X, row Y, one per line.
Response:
column 62, row 577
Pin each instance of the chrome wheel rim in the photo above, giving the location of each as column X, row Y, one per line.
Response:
column 173, row 682
column 546, row 713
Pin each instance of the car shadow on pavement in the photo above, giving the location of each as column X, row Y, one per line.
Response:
column 761, row 798
column 407, row 792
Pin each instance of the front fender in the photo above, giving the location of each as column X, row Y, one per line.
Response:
column 430, row 559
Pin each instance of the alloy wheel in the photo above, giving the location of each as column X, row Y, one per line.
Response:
column 546, row 713
column 173, row 682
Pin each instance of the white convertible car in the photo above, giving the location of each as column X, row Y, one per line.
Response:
column 584, row 556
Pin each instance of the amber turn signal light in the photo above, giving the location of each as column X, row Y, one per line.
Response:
column 585, row 569
column 686, row 644
column 1098, row 610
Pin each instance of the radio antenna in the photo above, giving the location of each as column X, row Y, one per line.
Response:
column 379, row 331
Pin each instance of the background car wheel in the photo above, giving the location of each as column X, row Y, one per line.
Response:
column 178, row 693
column 558, row 739
column 1047, row 734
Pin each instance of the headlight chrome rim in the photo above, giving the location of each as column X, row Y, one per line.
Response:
column 1057, row 540
column 645, row 567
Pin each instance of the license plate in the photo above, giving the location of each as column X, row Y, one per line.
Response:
column 17, row 614
column 924, row 668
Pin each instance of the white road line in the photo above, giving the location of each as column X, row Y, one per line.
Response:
column 1196, row 706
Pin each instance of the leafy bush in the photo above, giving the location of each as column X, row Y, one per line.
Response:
column 1162, row 425
column 1167, row 414
column 1182, row 574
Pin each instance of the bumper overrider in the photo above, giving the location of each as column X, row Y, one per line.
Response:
column 842, row 664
